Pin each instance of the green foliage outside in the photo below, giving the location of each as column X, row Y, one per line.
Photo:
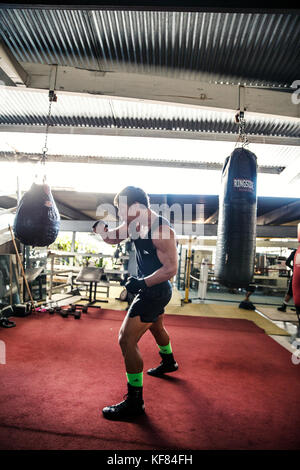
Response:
column 64, row 243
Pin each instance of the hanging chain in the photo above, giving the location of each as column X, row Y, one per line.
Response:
column 242, row 132
column 52, row 97
column 240, row 120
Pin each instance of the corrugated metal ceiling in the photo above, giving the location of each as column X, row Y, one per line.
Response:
column 24, row 107
column 251, row 48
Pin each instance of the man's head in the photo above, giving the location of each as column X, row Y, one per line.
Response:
column 131, row 202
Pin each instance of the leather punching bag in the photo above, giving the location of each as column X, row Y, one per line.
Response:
column 236, row 243
column 296, row 276
column 37, row 220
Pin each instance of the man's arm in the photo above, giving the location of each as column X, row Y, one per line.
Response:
column 165, row 243
column 112, row 237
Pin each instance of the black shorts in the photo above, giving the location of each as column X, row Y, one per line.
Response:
column 151, row 303
column 290, row 287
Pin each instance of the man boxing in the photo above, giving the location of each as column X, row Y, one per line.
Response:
column 156, row 254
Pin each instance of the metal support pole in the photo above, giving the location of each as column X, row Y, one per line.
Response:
column 73, row 241
column 188, row 272
column 51, row 277
column 20, row 278
column 10, row 279
column 179, row 268
column 22, row 269
column 18, row 189
column 73, row 247
column 202, row 287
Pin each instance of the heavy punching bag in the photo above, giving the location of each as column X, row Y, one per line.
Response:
column 37, row 220
column 296, row 276
column 236, row 242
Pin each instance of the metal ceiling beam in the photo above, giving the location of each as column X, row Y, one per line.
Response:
column 11, row 67
column 281, row 231
column 191, row 5
column 201, row 243
column 63, row 209
column 276, row 231
column 287, row 212
column 133, row 161
column 212, row 219
column 69, row 212
column 82, row 223
column 259, row 102
column 291, row 173
column 156, row 133
column 7, row 201
column 7, row 211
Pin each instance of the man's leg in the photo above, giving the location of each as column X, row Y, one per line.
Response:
column 159, row 332
column 285, row 303
column 161, row 336
column 248, row 293
column 287, row 297
column 130, row 333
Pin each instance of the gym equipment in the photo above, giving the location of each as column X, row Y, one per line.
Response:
column 7, row 311
column 22, row 310
column 96, row 223
column 123, row 295
column 47, row 307
column 37, row 220
column 76, row 314
column 126, row 296
column 6, row 323
column 4, row 314
column 41, row 309
column 16, row 310
column 93, row 276
column 82, row 308
column 68, row 311
column 236, row 241
column 22, row 268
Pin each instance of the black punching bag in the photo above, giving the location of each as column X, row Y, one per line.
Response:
column 236, row 242
column 37, row 220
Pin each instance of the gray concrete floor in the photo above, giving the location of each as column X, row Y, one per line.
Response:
column 291, row 343
column 226, row 297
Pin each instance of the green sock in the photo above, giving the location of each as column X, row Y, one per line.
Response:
column 166, row 349
column 136, row 380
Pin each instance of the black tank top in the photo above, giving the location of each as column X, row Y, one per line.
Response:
column 146, row 256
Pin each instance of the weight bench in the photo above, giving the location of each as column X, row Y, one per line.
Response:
column 92, row 276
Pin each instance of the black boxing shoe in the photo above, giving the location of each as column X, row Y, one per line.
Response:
column 282, row 308
column 132, row 406
column 168, row 364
